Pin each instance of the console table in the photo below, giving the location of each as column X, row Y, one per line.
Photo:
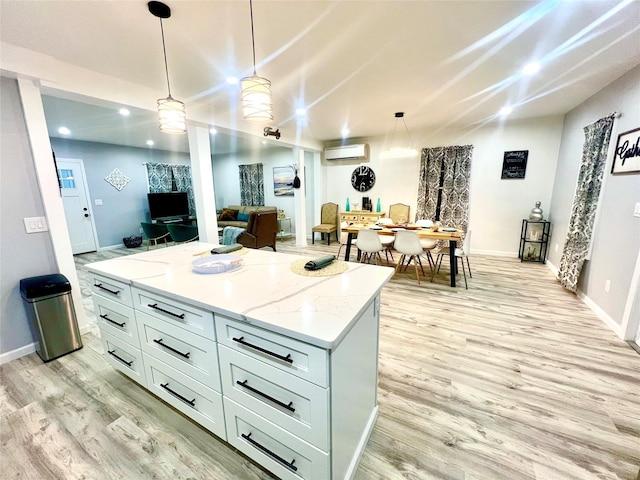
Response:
column 281, row 366
column 360, row 216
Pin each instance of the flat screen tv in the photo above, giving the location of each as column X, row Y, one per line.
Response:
column 173, row 204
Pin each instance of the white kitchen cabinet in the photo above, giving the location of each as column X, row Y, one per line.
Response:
column 283, row 367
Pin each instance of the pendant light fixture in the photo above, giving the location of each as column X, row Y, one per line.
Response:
column 398, row 143
column 255, row 96
column 171, row 112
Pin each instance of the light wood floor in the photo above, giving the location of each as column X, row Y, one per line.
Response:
column 512, row 379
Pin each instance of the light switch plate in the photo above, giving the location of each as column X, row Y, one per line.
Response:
column 636, row 211
column 98, row 201
column 35, row 224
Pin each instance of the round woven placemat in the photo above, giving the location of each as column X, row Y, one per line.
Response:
column 335, row 268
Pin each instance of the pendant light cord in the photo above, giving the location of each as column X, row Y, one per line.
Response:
column 164, row 51
column 253, row 41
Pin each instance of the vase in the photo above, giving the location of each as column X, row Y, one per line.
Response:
column 378, row 206
column 348, row 207
column 536, row 213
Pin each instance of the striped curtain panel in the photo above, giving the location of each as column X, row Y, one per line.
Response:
column 585, row 201
column 182, row 179
column 451, row 168
column 251, row 184
column 159, row 176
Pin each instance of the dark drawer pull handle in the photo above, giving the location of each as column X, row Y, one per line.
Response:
column 128, row 364
column 260, row 349
column 159, row 342
column 113, row 321
column 177, row 395
column 264, row 395
column 114, row 292
column 275, row 456
column 156, row 307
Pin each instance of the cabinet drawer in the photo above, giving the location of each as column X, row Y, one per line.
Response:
column 191, row 318
column 113, row 289
column 124, row 357
column 277, row 450
column 116, row 319
column 298, row 358
column 187, row 352
column 296, row 405
column 187, row 395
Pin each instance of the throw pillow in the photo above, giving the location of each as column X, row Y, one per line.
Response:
column 243, row 217
column 228, row 214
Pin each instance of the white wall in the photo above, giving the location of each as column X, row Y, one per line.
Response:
column 497, row 206
column 616, row 240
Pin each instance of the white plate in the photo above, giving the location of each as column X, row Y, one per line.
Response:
column 219, row 263
column 449, row 229
column 397, row 229
column 375, row 228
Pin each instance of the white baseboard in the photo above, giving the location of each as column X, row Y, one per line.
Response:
column 602, row 315
column 17, row 353
column 494, row 253
column 553, row 268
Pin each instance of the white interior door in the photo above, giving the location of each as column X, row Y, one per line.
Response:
column 77, row 206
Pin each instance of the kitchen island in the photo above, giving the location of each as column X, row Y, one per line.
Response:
column 280, row 365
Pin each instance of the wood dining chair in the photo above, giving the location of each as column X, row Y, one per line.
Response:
column 408, row 245
column 329, row 222
column 399, row 213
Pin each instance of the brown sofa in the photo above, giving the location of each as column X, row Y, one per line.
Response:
column 234, row 222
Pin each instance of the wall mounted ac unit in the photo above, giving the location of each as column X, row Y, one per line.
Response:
column 347, row 152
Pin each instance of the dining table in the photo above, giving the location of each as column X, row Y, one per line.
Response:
column 447, row 234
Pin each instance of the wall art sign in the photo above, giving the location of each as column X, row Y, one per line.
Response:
column 283, row 180
column 514, row 164
column 626, row 158
column 118, row 179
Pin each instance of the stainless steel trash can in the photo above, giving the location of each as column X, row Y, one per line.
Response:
column 50, row 309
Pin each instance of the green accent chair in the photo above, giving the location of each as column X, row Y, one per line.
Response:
column 183, row 233
column 155, row 232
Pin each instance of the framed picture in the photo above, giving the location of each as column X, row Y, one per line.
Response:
column 514, row 164
column 626, row 158
column 283, row 180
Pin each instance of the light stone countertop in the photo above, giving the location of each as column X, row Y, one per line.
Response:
column 263, row 291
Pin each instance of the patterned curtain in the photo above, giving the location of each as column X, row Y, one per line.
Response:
column 453, row 166
column 585, row 201
column 251, row 185
column 182, row 179
column 159, row 175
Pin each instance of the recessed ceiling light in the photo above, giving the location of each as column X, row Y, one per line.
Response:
column 213, row 131
column 301, row 111
column 150, row 143
column 345, row 132
column 531, row 68
column 64, row 131
column 505, row 111
column 232, row 80
column 264, row 142
column 124, row 112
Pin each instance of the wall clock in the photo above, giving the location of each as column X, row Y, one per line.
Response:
column 363, row 178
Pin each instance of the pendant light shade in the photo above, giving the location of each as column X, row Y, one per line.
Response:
column 255, row 96
column 171, row 112
column 398, row 143
column 172, row 116
column 257, row 103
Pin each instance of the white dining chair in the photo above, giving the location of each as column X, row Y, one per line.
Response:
column 461, row 253
column 369, row 245
column 386, row 240
column 344, row 237
column 408, row 245
column 428, row 245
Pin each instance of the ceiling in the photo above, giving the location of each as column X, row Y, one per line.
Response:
column 348, row 63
